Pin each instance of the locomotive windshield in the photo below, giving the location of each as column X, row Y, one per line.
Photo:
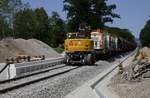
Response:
column 76, row 35
column 71, row 35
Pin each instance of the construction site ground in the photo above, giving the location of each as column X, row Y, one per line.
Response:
column 135, row 88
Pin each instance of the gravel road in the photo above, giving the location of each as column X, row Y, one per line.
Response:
column 59, row 86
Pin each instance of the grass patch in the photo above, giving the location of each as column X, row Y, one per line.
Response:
column 59, row 50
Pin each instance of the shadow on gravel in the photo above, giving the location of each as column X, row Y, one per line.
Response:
column 92, row 65
column 81, row 65
column 114, row 57
column 110, row 59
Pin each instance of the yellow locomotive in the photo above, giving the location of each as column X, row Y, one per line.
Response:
column 79, row 49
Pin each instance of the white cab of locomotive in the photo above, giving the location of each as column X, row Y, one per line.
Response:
column 97, row 39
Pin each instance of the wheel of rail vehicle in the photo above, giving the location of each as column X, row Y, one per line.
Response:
column 83, row 61
column 93, row 59
column 67, row 60
column 90, row 59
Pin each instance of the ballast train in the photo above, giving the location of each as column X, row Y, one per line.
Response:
column 86, row 48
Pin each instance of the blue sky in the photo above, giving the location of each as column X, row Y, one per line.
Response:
column 134, row 13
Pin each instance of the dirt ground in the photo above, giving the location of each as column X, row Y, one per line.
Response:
column 13, row 47
column 126, row 89
column 132, row 89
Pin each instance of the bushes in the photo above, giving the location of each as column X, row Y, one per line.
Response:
column 59, row 50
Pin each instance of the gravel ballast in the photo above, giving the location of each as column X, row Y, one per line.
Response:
column 59, row 86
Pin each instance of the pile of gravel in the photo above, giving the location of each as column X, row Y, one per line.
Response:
column 34, row 47
column 50, row 51
column 7, row 49
column 59, row 86
column 15, row 47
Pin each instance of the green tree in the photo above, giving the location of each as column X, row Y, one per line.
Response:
column 4, row 28
column 42, row 25
column 8, row 8
column 93, row 12
column 30, row 23
column 144, row 34
column 57, row 30
column 24, row 24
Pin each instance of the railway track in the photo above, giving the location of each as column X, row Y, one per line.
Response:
column 8, row 85
column 21, row 81
column 89, row 89
column 33, row 73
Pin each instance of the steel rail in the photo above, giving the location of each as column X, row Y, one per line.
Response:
column 52, row 62
column 18, row 85
column 32, row 74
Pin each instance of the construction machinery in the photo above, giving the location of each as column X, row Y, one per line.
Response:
column 79, row 49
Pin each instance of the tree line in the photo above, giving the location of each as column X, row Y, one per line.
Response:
column 144, row 34
column 37, row 24
column 18, row 20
